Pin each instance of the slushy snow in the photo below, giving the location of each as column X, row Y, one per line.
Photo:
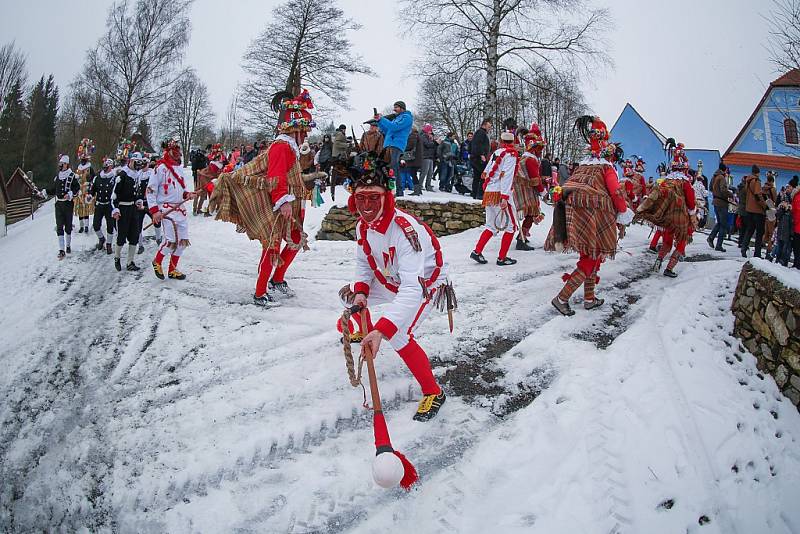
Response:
column 132, row 404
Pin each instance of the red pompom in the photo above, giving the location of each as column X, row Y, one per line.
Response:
column 410, row 477
column 566, row 277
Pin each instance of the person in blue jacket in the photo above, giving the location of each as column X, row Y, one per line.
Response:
column 395, row 132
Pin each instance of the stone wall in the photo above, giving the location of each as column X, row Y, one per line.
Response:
column 767, row 320
column 444, row 218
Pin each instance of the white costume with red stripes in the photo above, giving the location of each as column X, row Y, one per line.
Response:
column 501, row 182
column 395, row 257
column 166, row 190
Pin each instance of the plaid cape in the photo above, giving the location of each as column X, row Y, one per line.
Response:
column 591, row 219
column 526, row 197
column 665, row 207
column 243, row 198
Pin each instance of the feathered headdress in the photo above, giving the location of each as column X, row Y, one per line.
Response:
column 594, row 131
column 640, row 165
column 677, row 154
column 534, row 140
column 293, row 111
column 627, row 167
column 86, row 148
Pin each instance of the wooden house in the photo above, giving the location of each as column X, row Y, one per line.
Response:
column 22, row 197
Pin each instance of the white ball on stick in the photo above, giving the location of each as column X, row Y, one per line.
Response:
column 387, row 470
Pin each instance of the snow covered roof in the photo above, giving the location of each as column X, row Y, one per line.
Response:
column 19, row 174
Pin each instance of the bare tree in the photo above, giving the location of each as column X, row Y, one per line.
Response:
column 784, row 45
column 309, row 49
column 232, row 133
column 451, row 103
column 493, row 37
column 454, row 104
column 187, row 111
column 12, row 70
column 85, row 112
column 136, row 62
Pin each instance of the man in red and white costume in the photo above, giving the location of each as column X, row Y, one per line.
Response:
column 498, row 186
column 639, row 183
column 626, row 184
column 594, row 212
column 288, row 196
column 528, row 185
column 682, row 215
column 398, row 263
column 166, row 193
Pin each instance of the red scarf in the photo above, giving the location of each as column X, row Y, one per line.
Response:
column 169, row 163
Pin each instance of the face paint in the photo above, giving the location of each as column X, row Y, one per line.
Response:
column 369, row 205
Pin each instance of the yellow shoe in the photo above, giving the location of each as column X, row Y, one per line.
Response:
column 176, row 275
column 356, row 337
column 158, row 270
column 429, row 407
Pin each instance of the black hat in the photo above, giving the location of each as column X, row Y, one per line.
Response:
column 723, row 167
column 794, row 181
column 342, row 127
column 755, row 169
column 400, row 104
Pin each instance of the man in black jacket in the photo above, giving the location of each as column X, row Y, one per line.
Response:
column 479, row 151
column 546, row 167
column 199, row 161
column 127, row 199
column 66, row 186
column 102, row 187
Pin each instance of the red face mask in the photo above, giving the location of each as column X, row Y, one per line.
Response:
column 369, row 205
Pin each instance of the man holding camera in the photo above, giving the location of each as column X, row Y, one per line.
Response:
column 396, row 130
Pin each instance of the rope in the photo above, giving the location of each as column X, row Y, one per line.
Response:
column 355, row 378
column 506, row 220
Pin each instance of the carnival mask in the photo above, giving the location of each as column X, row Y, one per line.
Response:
column 369, row 204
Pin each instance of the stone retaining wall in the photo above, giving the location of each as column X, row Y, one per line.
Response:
column 767, row 320
column 444, row 218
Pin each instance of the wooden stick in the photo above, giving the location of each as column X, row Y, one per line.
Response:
column 373, row 378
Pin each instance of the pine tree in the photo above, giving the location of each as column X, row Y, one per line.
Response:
column 12, row 130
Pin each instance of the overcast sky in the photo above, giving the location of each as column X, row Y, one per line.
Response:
column 695, row 69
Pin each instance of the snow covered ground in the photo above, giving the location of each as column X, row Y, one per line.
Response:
column 131, row 404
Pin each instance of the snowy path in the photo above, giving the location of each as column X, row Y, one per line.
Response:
column 135, row 405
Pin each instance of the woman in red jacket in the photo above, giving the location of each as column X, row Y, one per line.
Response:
column 796, row 226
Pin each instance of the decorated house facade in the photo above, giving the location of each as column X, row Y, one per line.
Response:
column 769, row 138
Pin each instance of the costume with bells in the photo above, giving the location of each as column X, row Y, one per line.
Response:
column 253, row 196
column 84, row 203
column 166, row 194
column 587, row 219
column 671, row 207
column 398, row 263
column 528, row 185
column 498, row 199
